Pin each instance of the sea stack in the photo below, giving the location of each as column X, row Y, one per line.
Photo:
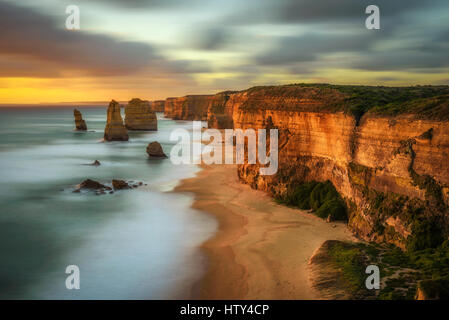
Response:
column 115, row 130
column 80, row 124
column 154, row 150
column 140, row 116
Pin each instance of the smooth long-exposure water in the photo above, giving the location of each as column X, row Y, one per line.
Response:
column 133, row 244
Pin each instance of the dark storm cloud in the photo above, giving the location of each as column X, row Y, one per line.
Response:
column 143, row 4
column 393, row 47
column 426, row 54
column 329, row 11
column 213, row 38
column 33, row 37
column 310, row 47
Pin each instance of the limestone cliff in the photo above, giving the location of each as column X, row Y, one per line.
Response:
column 140, row 116
column 192, row 107
column 80, row 124
column 158, row 105
column 115, row 130
column 387, row 159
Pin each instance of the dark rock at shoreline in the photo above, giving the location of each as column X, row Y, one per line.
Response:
column 154, row 150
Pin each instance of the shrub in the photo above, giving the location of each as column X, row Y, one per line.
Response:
column 300, row 197
column 322, row 197
column 425, row 234
column 334, row 208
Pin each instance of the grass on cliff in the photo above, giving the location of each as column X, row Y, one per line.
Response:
column 430, row 102
column 321, row 197
column 401, row 272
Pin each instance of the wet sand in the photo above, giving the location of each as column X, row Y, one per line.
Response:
column 261, row 249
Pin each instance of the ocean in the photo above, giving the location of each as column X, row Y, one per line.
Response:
column 134, row 244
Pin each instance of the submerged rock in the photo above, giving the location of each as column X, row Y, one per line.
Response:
column 120, row 184
column 92, row 185
column 115, row 130
column 139, row 115
column 154, row 150
column 80, row 124
column 100, row 189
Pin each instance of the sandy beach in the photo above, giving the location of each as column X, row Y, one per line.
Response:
column 261, row 249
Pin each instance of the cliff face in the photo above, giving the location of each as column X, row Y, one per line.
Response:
column 392, row 170
column 139, row 116
column 115, row 130
column 219, row 111
column 192, row 107
column 80, row 124
column 158, row 105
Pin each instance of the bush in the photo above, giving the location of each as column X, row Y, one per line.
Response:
column 425, row 234
column 333, row 208
column 322, row 197
column 300, row 197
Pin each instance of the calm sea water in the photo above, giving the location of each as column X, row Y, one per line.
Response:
column 134, row 244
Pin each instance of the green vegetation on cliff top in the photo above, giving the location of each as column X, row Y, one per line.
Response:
column 427, row 102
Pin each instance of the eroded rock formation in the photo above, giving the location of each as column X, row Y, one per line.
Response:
column 154, row 150
column 115, row 130
column 80, row 124
column 140, row 116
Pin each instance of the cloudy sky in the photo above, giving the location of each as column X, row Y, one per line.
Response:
column 158, row 48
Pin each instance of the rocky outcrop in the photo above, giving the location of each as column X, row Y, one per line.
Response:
column 392, row 169
column 192, row 107
column 140, row 116
column 98, row 188
column 91, row 184
column 158, row 105
column 80, row 124
column 154, row 150
column 120, row 184
column 115, row 130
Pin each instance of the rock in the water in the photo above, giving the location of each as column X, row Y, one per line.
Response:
column 140, row 116
column 80, row 124
column 120, row 185
column 92, row 185
column 115, row 130
column 96, row 163
column 154, row 150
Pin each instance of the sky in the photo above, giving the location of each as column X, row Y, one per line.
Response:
column 153, row 49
